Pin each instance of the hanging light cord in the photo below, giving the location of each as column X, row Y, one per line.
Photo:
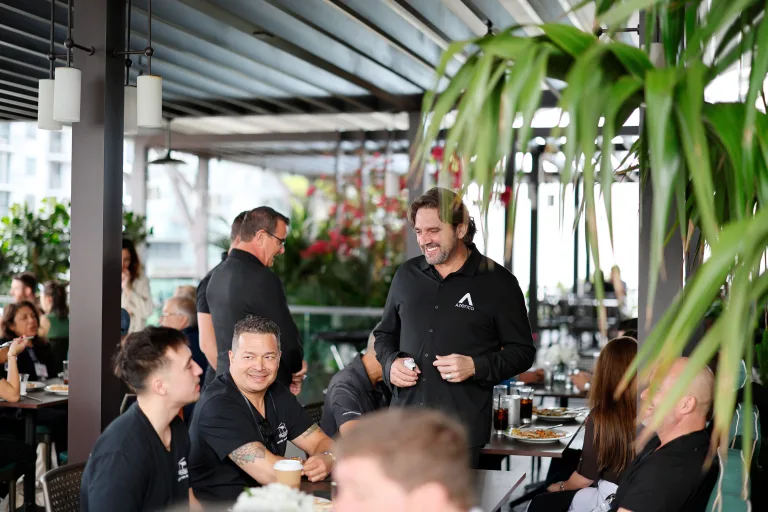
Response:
column 148, row 51
column 69, row 43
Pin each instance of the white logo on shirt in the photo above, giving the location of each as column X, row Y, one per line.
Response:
column 351, row 412
column 466, row 303
column 183, row 471
column 282, row 433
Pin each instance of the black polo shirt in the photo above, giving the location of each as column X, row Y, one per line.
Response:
column 476, row 311
column 350, row 395
column 130, row 469
column 670, row 478
column 225, row 420
column 242, row 286
column 200, row 298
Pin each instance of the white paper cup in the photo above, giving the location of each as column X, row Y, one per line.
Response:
column 288, row 472
column 23, row 384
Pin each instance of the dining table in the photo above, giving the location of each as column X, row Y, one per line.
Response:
column 28, row 406
column 503, row 445
column 492, row 488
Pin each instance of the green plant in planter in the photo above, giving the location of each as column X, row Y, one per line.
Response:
column 706, row 163
column 135, row 228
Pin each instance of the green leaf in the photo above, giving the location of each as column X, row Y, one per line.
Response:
column 725, row 121
column 719, row 14
column 621, row 12
column 688, row 110
column 635, row 60
column 664, row 160
column 569, row 39
column 514, row 82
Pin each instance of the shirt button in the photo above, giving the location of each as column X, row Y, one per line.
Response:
column 430, row 330
column 435, row 307
column 424, row 379
column 426, row 355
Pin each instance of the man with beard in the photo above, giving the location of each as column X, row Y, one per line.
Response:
column 458, row 315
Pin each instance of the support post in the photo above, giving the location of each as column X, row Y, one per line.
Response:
column 138, row 180
column 415, row 182
column 201, row 224
column 576, row 208
column 97, row 187
column 533, row 284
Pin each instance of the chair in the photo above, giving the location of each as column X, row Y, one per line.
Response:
column 10, row 473
column 61, row 488
column 315, row 411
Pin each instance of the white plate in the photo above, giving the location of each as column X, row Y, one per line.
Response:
column 56, row 391
column 322, row 505
column 567, row 435
column 34, row 385
column 564, row 417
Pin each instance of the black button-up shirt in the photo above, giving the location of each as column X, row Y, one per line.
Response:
column 240, row 286
column 478, row 311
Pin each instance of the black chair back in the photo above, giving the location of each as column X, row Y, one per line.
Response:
column 61, row 488
column 315, row 411
column 128, row 400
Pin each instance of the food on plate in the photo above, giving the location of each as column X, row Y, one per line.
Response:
column 323, row 505
column 553, row 412
column 58, row 387
column 537, row 433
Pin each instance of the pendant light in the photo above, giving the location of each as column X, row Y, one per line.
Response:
column 67, row 80
column 146, row 99
column 167, row 159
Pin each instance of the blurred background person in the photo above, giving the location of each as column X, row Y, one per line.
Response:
column 54, row 304
column 136, row 298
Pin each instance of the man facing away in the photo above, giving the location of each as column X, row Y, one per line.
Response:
column 405, row 460
column 669, row 474
column 245, row 418
column 204, row 321
column 459, row 315
column 356, row 390
column 140, row 461
column 244, row 285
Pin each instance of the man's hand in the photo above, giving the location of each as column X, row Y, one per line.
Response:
column 318, row 467
column 580, row 380
column 555, row 487
column 298, row 378
column 402, row 376
column 455, row 367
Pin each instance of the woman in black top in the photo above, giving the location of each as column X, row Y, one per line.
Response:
column 609, row 435
column 23, row 320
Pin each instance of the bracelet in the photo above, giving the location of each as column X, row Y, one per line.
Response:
column 333, row 458
column 562, row 486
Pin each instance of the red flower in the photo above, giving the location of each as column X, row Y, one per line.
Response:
column 311, row 190
column 332, row 210
column 506, row 196
column 318, row 248
column 438, row 152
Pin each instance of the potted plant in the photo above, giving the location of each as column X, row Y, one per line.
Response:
column 706, row 163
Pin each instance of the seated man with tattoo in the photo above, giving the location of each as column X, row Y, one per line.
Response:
column 245, row 418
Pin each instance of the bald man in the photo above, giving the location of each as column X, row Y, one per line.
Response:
column 668, row 474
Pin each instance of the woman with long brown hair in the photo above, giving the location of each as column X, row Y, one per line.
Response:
column 609, row 435
column 136, row 297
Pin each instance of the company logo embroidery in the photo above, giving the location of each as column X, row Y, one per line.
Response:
column 466, row 303
column 282, row 433
column 183, row 471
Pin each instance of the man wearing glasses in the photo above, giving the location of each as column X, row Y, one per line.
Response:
column 244, row 285
column 245, row 418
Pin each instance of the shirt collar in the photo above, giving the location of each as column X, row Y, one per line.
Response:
column 357, row 368
column 224, row 255
column 245, row 256
column 470, row 266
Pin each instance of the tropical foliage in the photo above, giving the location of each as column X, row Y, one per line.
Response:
column 706, row 162
column 37, row 241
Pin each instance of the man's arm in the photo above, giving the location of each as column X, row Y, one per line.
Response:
column 515, row 337
column 314, row 441
column 207, row 338
column 387, row 333
column 257, row 461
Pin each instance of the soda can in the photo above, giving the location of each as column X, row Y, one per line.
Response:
column 514, row 411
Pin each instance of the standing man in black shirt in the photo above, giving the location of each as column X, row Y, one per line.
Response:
column 245, row 418
column 140, row 460
column 669, row 475
column 204, row 321
column 460, row 316
column 244, row 285
column 356, row 390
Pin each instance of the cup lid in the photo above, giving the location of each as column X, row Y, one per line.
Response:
column 288, row 465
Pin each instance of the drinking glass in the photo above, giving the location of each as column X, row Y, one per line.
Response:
column 500, row 414
column 499, row 390
column 526, row 405
column 66, row 372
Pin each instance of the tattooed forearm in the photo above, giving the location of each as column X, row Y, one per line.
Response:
column 309, row 431
column 250, row 452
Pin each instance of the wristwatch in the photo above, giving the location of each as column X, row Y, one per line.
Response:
column 333, row 458
column 562, row 486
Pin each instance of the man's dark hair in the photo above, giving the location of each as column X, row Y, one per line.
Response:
column 58, row 293
column 134, row 267
column 450, row 208
column 255, row 325
column 237, row 224
column 262, row 218
column 144, row 352
column 27, row 279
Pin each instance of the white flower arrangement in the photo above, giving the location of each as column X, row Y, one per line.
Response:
column 556, row 354
column 274, row 498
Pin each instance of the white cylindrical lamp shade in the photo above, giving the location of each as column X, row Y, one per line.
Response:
column 45, row 106
column 129, row 110
column 149, row 101
column 391, row 184
column 66, row 95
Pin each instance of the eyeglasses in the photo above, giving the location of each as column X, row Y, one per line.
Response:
column 281, row 240
column 267, row 435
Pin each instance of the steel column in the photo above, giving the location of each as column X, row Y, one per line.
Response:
column 97, row 186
